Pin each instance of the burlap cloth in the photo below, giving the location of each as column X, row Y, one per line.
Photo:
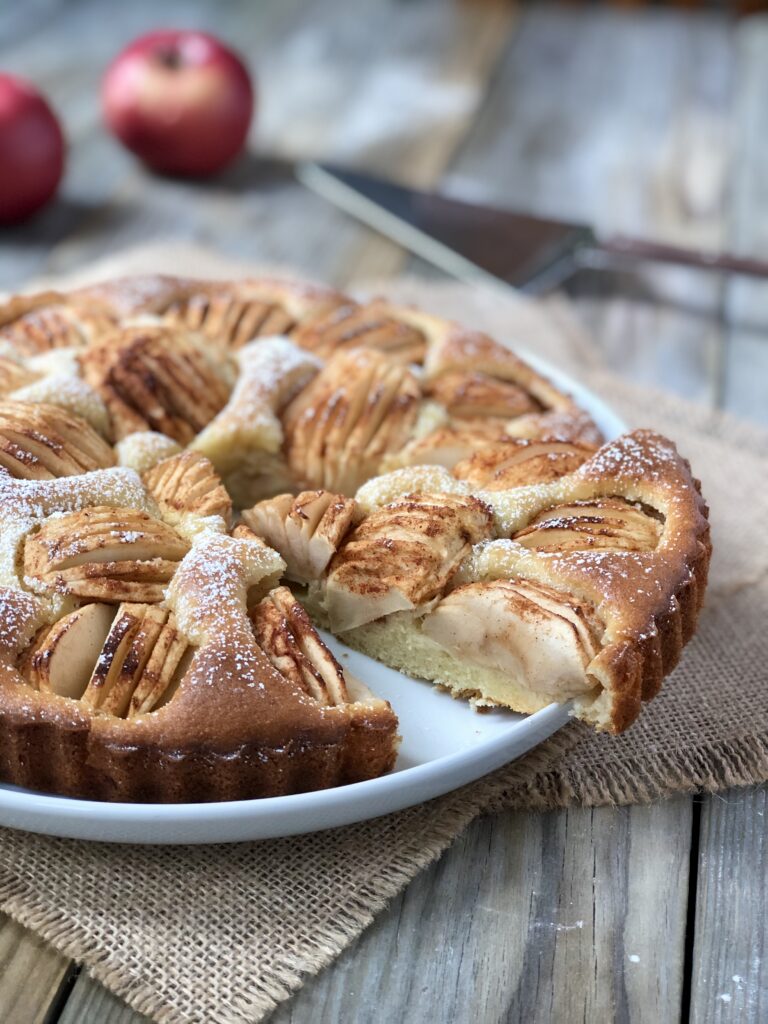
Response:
column 221, row 934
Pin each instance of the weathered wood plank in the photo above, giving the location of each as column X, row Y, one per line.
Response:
column 91, row 1003
column 592, row 134
column 31, row 974
column 730, row 953
column 526, row 918
column 730, row 970
column 745, row 366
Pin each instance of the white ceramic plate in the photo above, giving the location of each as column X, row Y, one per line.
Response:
column 445, row 745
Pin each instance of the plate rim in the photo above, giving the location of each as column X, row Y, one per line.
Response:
column 171, row 823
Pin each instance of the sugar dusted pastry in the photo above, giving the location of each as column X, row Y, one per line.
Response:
column 175, row 453
column 588, row 591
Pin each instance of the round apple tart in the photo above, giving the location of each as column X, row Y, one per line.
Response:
column 195, row 476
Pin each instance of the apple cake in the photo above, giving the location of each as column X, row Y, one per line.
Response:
column 196, row 476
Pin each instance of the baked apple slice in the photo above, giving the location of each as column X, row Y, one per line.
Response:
column 287, row 636
column 42, row 441
column 153, row 378
column 62, row 657
column 520, row 463
column 187, row 482
column 104, row 553
column 306, row 530
column 402, row 556
column 360, row 407
column 609, row 523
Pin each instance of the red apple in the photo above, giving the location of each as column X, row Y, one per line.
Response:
column 182, row 101
column 31, row 150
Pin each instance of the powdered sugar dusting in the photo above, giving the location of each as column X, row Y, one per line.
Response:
column 72, row 394
column 382, row 490
column 208, row 592
column 272, row 370
column 144, row 449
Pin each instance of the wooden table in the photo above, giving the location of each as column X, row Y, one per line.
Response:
column 654, row 122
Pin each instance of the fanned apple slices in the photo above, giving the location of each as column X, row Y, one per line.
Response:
column 608, row 523
column 122, row 663
column 104, row 553
column 375, row 325
column 306, row 529
column 13, row 375
column 233, row 315
column 40, row 323
column 227, row 317
column 477, row 399
column 187, row 482
column 39, row 441
column 510, row 463
column 154, row 378
column 285, row 633
column 402, row 556
column 357, row 409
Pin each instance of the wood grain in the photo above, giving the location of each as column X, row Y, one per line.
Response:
column 535, row 918
column 31, row 974
column 730, row 970
column 624, row 150
column 729, row 955
column 91, row 1003
column 745, row 362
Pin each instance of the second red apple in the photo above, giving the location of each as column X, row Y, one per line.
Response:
column 182, row 101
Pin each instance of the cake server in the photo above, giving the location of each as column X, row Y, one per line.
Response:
column 474, row 242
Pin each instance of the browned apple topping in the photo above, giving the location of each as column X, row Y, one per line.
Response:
column 187, row 482
column 402, row 556
column 368, row 326
column 445, row 446
column 599, row 523
column 120, row 683
column 155, row 379
column 122, row 663
column 357, row 409
column 39, row 441
column 228, row 319
column 285, row 633
column 62, row 656
column 104, row 553
column 517, row 463
column 478, row 396
column 306, row 530
column 13, row 375
column 54, row 325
